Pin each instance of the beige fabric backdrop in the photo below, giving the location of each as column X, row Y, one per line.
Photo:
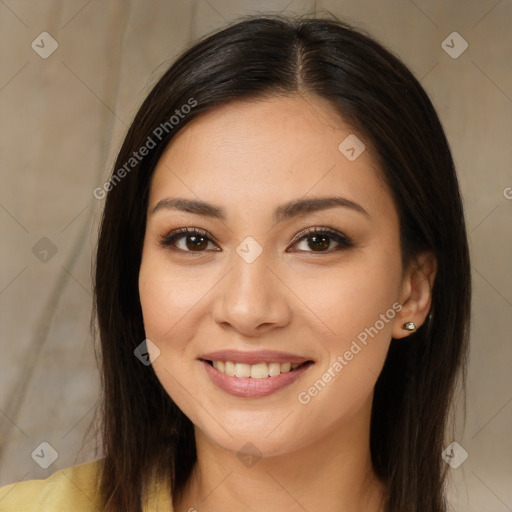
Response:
column 63, row 116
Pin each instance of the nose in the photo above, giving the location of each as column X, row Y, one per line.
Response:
column 252, row 298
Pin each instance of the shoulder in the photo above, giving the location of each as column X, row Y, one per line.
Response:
column 73, row 489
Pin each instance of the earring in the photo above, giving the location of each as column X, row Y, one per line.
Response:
column 409, row 326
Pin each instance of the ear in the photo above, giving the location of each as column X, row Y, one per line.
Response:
column 416, row 293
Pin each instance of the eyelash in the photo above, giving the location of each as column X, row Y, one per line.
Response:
column 344, row 241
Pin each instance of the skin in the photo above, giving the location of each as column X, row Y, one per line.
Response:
column 248, row 158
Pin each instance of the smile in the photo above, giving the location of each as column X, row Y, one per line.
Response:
column 254, row 371
column 253, row 375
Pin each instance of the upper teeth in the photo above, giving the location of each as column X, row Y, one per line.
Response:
column 255, row 371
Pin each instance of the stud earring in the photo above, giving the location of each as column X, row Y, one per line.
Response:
column 409, row 326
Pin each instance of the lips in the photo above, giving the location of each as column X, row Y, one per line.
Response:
column 253, row 374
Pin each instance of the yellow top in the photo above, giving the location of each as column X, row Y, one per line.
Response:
column 73, row 489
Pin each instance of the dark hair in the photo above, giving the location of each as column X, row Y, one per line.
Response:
column 374, row 92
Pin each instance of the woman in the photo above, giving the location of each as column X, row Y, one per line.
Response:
column 282, row 286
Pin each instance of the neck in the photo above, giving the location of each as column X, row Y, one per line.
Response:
column 331, row 474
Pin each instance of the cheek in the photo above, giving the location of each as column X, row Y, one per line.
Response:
column 168, row 296
column 352, row 296
column 357, row 304
column 360, row 316
column 169, row 299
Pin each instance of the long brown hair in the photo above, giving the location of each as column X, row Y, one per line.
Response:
column 143, row 430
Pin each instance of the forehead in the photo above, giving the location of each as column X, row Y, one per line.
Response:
column 258, row 153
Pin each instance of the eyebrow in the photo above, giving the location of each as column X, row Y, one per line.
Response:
column 282, row 213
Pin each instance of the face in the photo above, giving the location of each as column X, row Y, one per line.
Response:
column 271, row 308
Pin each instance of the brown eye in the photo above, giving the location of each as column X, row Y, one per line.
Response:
column 319, row 242
column 320, row 239
column 196, row 242
column 189, row 240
